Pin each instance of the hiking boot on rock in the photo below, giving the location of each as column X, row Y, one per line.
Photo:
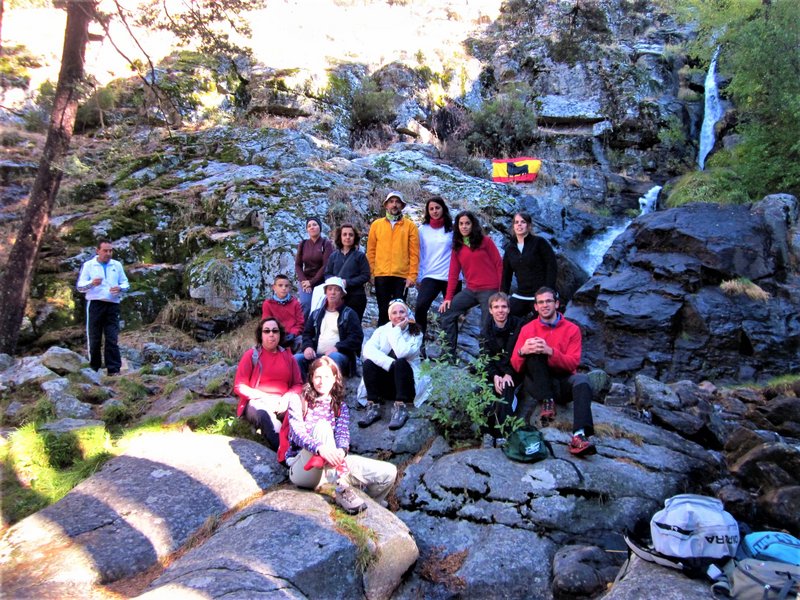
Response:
column 580, row 446
column 372, row 415
column 548, row 410
column 349, row 501
column 399, row 415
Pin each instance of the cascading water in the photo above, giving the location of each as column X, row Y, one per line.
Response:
column 711, row 114
column 596, row 248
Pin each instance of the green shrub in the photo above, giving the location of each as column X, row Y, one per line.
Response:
column 503, row 126
column 371, row 105
column 720, row 186
column 460, row 399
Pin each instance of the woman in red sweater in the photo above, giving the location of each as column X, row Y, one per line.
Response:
column 475, row 255
column 267, row 378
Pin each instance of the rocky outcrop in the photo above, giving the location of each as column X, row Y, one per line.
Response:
column 140, row 507
column 657, row 305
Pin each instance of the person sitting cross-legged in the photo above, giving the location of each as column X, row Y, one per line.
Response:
column 333, row 330
column 547, row 353
column 391, row 366
column 319, row 436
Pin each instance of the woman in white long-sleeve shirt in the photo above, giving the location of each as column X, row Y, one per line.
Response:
column 391, row 366
column 435, row 248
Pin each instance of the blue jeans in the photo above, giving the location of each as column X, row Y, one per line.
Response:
column 305, row 301
column 340, row 359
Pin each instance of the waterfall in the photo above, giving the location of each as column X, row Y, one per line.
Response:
column 647, row 203
column 594, row 251
column 711, row 113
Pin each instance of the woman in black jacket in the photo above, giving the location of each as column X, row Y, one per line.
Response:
column 350, row 263
column 532, row 260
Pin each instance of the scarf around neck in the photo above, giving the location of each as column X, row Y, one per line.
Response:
column 282, row 301
column 436, row 223
column 393, row 218
column 466, row 240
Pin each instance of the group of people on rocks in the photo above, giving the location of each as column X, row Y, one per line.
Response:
column 306, row 345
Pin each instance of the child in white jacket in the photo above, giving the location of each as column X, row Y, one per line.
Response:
column 391, row 366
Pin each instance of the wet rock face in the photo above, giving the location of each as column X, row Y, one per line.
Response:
column 656, row 306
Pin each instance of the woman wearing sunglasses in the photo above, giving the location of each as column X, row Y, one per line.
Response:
column 267, row 378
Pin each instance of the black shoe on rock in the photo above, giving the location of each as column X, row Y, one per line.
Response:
column 372, row 415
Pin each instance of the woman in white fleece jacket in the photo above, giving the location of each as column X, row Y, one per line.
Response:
column 392, row 350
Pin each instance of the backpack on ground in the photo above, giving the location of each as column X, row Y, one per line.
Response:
column 766, row 567
column 527, row 444
column 691, row 533
column 753, row 579
column 772, row 545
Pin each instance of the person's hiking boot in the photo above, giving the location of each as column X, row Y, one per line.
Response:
column 349, row 501
column 548, row 410
column 399, row 416
column 315, row 462
column 580, row 446
column 372, row 415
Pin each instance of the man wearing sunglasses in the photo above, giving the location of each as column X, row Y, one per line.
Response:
column 547, row 353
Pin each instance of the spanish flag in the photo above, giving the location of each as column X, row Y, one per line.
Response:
column 523, row 168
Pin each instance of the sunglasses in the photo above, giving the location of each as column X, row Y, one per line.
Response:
column 276, row 331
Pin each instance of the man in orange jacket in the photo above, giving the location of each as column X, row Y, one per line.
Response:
column 547, row 353
column 393, row 254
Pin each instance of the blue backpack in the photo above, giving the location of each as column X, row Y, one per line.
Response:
column 772, row 545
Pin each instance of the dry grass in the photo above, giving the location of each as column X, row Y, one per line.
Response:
column 743, row 286
column 617, row 432
column 233, row 344
column 438, row 567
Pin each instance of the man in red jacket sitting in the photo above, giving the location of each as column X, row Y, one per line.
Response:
column 547, row 353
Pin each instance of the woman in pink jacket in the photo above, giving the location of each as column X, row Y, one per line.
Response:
column 476, row 256
column 267, row 378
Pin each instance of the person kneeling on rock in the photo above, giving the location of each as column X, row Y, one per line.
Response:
column 319, row 436
column 391, row 365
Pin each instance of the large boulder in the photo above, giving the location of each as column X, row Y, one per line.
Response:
column 656, row 305
column 288, row 543
column 138, row 509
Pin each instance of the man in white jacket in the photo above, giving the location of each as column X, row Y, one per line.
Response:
column 103, row 281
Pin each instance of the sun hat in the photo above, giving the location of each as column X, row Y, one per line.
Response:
column 338, row 281
column 394, row 195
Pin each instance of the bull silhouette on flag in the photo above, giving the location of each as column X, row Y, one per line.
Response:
column 523, row 168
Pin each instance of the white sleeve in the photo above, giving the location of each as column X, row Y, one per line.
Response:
column 403, row 343
column 373, row 349
column 85, row 278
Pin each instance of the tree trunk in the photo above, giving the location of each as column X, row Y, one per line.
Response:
column 16, row 281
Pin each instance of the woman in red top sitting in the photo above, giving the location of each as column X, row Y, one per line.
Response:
column 474, row 254
column 267, row 378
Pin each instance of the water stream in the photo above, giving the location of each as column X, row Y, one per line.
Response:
column 592, row 254
column 711, row 114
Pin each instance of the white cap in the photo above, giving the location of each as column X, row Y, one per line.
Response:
column 338, row 281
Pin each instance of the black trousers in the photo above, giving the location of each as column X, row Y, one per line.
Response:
column 541, row 383
column 102, row 321
column 388, row 288
column 427, row 291
column 268, row 422
column 502, row 408
column 358, row 302
column 397, row 383
column 522, row 308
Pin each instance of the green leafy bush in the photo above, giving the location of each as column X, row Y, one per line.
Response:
column 371, row 105
column 720, row 186
column 504, row 126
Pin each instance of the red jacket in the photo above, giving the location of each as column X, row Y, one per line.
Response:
column 274, row 372
column 290, row 315
column 564, row 339
column 482, row 268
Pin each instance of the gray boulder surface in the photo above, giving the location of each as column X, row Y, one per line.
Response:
column 287, row 543
column 139, row 508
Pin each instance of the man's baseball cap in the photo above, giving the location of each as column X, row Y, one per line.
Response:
column 338, row 281
column 394, row 195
